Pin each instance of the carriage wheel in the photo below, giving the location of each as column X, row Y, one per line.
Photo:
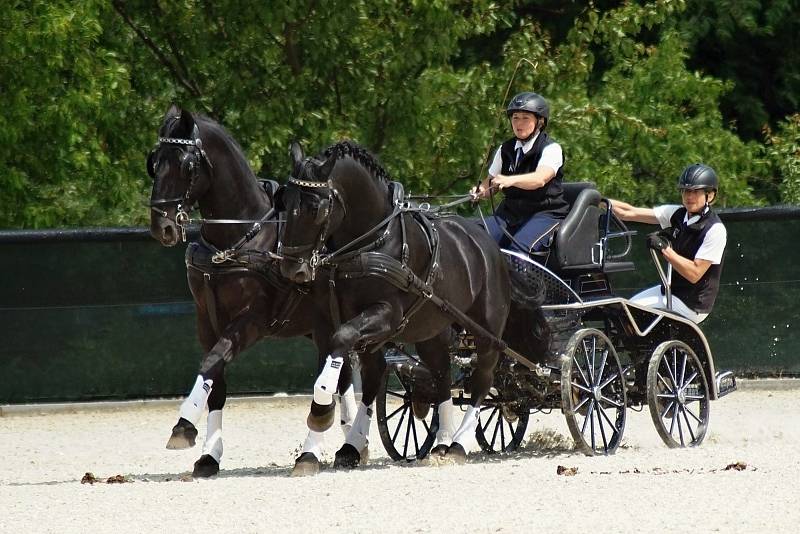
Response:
column 593, row 396
column 677, row 394
column 502, row 423
column 404, row 436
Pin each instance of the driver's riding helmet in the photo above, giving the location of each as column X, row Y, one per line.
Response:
column 698, row 176
column 532, row 103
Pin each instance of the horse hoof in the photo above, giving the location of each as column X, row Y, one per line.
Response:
column 457, row 454
column 320, row 418
column 305, row 465
column 183, row 435
column 205, row 467
column 420, row 409
column 439, row 451
column 347, row 457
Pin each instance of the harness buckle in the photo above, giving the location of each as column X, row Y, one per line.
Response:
column 181, row 220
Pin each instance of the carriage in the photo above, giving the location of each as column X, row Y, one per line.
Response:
column 607, row 355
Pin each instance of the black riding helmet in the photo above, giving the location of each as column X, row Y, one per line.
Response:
column 698, row 176
column 532, row 103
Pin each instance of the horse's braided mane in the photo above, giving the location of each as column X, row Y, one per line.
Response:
column 361, row 155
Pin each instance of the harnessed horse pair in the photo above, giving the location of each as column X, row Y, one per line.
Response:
column 240, row 296
column 393, row 272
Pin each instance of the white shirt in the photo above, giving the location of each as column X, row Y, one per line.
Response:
column 714, row 242
column 552, row 156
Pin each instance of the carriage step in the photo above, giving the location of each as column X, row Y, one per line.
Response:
column 726, row 383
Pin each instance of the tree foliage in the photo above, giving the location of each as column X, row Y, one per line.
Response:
column 421, row 84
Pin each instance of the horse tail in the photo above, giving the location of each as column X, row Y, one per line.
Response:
column 527, row 330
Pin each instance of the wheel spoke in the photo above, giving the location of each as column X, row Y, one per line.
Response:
column 396, row 394
column 577, row 367
column 608, row 381
column 489, row 420
column 412, row 422
column 603, row 367
column 401, row 408
column 590, row 363
column 690, row 380
column 580, row 387
column 673, row 370
column 510, row 435
column 610, row 422
column 399, row 423
column 408, row 435
column 498, row 426
column 683, row 368
column 695, row 417
column 670, row 407
column 688, row 425
column 663, row 381
column 598, row 412
column 612, row 402
column 580, row 405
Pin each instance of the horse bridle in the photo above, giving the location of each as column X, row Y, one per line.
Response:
column 193, row 156
column 323, row 217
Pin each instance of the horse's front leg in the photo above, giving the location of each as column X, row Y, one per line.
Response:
column 210, row 389
column 373, row 323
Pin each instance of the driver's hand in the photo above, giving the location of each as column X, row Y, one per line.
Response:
column 478, row 192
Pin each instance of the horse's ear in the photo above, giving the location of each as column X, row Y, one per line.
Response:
column 186, row 123
column 296, row 151
column 173, row 111
column 322, row 172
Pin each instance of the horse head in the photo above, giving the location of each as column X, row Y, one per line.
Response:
column 330, row 202
column 308, row 198
column 181, row 174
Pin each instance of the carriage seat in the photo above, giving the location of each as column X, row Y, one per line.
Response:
column 576, row 244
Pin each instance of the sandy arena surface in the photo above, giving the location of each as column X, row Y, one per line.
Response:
column 645, row 487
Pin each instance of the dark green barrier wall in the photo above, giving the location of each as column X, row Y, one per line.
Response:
column 107, row 314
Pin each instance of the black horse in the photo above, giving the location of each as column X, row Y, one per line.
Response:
column 239, row 294
column 386, row 271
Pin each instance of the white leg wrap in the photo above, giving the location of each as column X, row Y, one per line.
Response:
column 358, row 436
column 325, row 386
column 192, row 408
column 213, row 444
column 314, row 443
column 465, row 435
column 347, row 409
column 447, row 423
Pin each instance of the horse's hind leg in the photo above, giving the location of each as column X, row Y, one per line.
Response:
column 436, row 355
column 481, row 381
column 356, row 444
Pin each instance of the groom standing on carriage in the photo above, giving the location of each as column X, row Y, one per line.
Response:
column 529, row 169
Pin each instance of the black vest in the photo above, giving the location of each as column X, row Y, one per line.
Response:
column 686, row 241
column 519, row 204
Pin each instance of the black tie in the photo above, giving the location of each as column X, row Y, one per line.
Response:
column 518, row 158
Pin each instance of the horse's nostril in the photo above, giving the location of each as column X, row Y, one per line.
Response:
column 300, row 277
